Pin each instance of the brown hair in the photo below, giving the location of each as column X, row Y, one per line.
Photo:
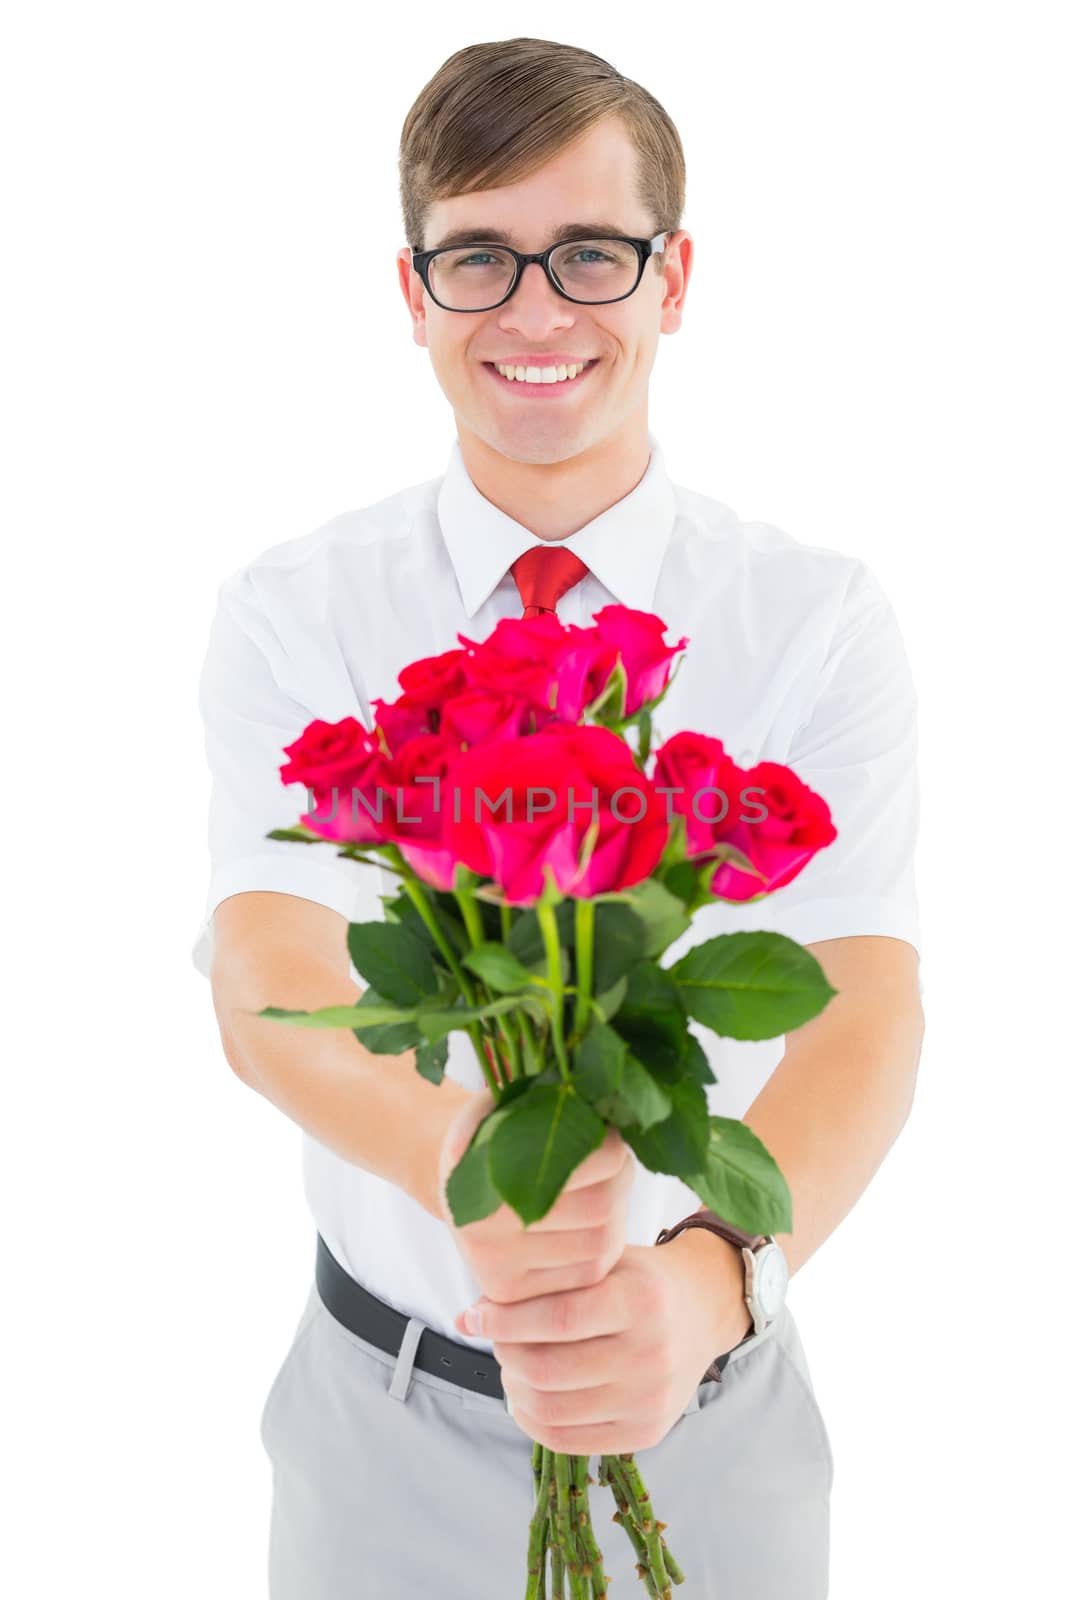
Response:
column 496, row 111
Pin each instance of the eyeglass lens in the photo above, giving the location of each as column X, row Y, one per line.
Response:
column 477, row 277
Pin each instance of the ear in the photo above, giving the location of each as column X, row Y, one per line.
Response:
column 413, row 290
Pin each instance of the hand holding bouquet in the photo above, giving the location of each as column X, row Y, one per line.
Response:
column 543, row 874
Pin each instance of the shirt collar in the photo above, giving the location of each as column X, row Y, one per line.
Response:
column 623, row 546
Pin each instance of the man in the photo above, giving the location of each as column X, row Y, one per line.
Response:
column 592, row 1339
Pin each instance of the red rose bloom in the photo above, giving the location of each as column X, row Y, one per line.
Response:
column 776, row 821
column 636, row 636
column 337, row 761
column 426, row 686
column 479, row 715
column 412, row 780
column 696, row 766
column 510, row 810
column 539, row 660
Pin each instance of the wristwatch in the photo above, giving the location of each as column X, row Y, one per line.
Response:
column 766, row 1269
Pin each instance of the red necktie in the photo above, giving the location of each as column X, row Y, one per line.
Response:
column 544, row 574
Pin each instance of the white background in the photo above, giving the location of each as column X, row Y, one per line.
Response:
column 205, row 351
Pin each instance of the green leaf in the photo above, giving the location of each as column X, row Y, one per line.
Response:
column 639, row 1102
column 606, row 1004
column 517, row 1088
column 597, row 1067
column 680, row 880
column 608, row 706
column 675, row 855
column 392, row 906
column 705, row 868
column 450, row 922
column 618, row 943
column 469, row 1189
column 545, row 1137
column 390, row 959
column 741, row 1181
column 300, row 833
column 388, row 1038
column 615, row 1083
column 652, row 1020
column 431, row 1059
column 337, row 1016
column 435, row 1023
column 497, row 968
column 678, row 1143
column 644, row 742
column 662, row 915
column 697, row 1064
column 751, row 985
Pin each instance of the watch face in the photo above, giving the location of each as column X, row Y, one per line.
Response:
column 772, row 1277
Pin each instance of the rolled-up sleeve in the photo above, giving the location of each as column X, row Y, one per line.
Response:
column 248, row 719
column 858, row 749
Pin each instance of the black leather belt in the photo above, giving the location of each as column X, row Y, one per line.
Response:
column 363, row 1314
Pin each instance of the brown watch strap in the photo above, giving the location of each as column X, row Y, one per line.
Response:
column 715, row 1224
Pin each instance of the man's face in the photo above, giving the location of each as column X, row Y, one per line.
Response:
column 593, row 181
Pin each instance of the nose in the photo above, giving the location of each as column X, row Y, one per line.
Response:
column 535, row 303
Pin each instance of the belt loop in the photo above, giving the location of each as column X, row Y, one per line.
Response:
column 400, row 1386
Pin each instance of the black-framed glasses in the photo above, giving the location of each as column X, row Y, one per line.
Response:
column 590, row 272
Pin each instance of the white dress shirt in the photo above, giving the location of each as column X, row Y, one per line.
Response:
column 794, row 655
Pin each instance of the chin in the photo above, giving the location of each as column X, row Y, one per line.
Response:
column 539, row 444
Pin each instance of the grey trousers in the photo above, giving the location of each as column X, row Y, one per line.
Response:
column 391, row 1482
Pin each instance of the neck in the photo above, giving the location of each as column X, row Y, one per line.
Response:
column 555, row 498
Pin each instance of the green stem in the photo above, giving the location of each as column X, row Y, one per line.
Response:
column 546, row 917
column 477, row 1040
column 650, row 1527
column 674, row 1570
column 535, row 1558
column 472, row 921
column 624, row 1516
column 584, row 917
column 429, row 916
column 425, row 909
column 592, row 1555
column 472, row 916
column 555, row 1538
column 636, row 1491
column 530, row 1053
column 562, row 1467
column 514, row 1049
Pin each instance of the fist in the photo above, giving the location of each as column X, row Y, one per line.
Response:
column 575, row 1244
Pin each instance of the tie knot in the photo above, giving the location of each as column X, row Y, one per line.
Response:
column 544, row 574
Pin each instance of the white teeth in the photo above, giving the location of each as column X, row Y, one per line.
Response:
column 540, row 374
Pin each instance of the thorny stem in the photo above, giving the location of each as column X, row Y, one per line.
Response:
column 561, row 1531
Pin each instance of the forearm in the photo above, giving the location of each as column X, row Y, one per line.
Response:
column 830, row 1112
column 835, row 1105
column 375, row 1111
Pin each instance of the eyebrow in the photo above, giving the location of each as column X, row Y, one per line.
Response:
column 567, row 230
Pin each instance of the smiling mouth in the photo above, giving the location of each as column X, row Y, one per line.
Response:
column 530, row 390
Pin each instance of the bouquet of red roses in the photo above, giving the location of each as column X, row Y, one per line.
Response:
column 543, row 873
